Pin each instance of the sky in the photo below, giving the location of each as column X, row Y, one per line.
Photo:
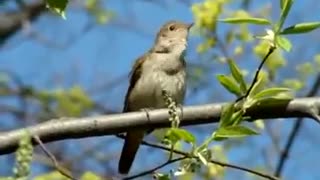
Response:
column 74, row 54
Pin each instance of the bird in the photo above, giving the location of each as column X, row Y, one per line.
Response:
column 161, row 68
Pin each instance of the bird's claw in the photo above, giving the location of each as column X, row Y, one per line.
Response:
column 146, row 110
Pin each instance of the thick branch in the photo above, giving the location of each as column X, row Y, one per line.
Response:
column 10, row 22
column 61, row 129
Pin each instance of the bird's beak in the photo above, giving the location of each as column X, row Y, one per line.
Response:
column 189, row 25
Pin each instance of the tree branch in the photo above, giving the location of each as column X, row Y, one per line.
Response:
column 11, row 22
column 170, row 161
column 256, row 76
column 72, row 128
column 294, row 132
column 223, row 164
column 53, row 159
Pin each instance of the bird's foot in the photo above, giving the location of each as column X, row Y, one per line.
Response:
column 146, row 110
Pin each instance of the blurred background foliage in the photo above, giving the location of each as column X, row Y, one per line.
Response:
column 51, row 68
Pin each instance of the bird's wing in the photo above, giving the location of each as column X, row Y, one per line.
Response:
column 135, row 76
column 133, row 137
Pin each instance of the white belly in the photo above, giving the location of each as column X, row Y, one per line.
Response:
column 148, row 90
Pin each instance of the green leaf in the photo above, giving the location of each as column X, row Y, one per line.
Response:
column 284, row 13
column 202, row 159
column 270, row 92
column 58, row 6
column 160, row 176
column 237, row 117
column 259, row 123
column 250, row 20
column 54, row 175
column 234, row 132
column 176, row 134
column 282, row 3
column 295, row 84
column 273, row 101
column 90, row 176
column 256, row 87
column 226, row 114
column 230, row 84
column 301, row 28
column 284, row 43
column 237, row 75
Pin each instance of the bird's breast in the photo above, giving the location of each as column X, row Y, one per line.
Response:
column 148, row 90
column 160, row 80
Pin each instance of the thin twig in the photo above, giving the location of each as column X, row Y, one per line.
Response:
column 185, row 154
column 294, row 132
column 285, row 153
column 222, row 46
column 20, row 92
column 255, row 79
column 53, row 159
column 213, row 161
column 155, row 168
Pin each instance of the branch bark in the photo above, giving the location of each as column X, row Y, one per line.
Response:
column 11, row 22
column 72, row 128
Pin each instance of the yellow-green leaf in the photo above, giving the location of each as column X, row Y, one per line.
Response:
column 284, row 13
column 176, row 134
column 226, row 114
column 249, row 20
column 270, row 92
column 230, row 84
column 294, row 84
column 54, row 175
column 90, row 176
column 282, row 3
column 57, row 6
column 237, row 75
column 259, row 124
column 237, row 117
column 301, row 28
column 284, row 43
column 256, row 87
column 160, row 176
column 234, row 132
column 202, row 158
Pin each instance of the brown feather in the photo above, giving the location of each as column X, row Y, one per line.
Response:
column 135, row 76
column 133, row 138
column 129, row 150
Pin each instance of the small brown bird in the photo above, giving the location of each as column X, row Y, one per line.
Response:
column 162, row 68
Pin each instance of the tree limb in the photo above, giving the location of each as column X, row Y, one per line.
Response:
column 53, row 159
column 11, row 22
column 72, row 128
column 294, row 132
column 216, row 162
column 170, row 161
column 256, row 76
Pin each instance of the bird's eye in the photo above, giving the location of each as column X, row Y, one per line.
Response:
column 172, row 27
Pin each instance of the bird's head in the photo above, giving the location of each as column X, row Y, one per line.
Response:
column 172, row 37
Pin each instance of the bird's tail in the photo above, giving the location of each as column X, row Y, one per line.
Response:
column 129, row 150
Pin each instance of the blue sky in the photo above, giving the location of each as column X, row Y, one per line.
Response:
column 71, row 56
